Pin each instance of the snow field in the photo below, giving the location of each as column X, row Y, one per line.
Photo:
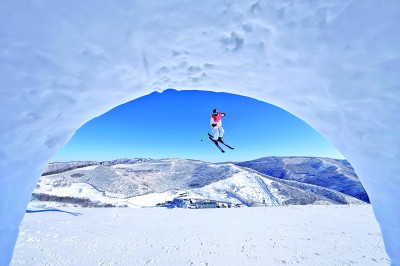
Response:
column 299, row 235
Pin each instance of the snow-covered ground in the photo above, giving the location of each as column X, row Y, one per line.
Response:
column 300, row 235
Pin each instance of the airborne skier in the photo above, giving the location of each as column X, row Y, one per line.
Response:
column 218, row 131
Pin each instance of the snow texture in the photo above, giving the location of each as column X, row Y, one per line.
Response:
column 299, row 235
column 334, row 64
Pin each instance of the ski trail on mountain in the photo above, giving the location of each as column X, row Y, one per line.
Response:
column 265, row 188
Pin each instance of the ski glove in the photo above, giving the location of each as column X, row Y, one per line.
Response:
column 213, row 125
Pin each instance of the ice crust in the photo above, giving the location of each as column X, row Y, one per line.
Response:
column 334, row 64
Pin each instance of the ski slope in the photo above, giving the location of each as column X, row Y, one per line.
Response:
column 274, row 201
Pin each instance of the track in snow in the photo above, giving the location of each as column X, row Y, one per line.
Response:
column 265, row 188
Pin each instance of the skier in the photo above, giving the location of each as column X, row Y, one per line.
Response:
column 216, row 124
column 217, row 129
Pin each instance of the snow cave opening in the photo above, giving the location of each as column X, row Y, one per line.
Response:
column 109, row 143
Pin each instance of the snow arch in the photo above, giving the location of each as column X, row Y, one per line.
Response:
column 333, row 64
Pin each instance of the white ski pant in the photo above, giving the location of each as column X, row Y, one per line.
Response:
column 218, row 132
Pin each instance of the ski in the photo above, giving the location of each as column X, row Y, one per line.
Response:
column 227, row 145
column 211, row 137
column 216, row 144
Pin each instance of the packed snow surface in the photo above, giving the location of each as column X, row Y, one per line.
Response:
column 300, row 235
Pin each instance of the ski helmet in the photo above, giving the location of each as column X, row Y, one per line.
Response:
column 215, row 112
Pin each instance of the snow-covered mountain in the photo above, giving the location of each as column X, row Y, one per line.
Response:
column 334, row 174
column 196, row 184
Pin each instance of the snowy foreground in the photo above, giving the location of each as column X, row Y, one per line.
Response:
column 303, row 235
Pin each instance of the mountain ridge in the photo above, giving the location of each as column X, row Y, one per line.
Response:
column 266, row 181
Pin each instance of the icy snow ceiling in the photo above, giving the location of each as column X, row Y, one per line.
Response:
column 334, row 64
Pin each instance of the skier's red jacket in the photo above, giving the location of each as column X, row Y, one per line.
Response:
column 217, row 119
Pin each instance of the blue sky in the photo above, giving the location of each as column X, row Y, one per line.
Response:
column 172, row 123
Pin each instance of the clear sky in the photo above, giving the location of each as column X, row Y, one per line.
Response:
column 172, row 124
